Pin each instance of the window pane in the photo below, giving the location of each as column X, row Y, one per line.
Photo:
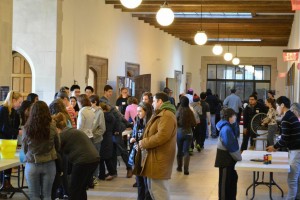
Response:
column 230, row 72
column 239, row 86
column 221, row 72
column 249, row 70
column 239, row 73
column 211, row 85
column 229, row 86
column 221, row 89
column 261, row 89
column 248, row 90
column 211, row 71
column 267, row 73
column 258, row 73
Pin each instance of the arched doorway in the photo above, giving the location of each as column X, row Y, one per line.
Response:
column 97, row 73
column 21, row 77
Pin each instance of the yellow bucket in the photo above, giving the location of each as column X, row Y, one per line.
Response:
column 8, row 148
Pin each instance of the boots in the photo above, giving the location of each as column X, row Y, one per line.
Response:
column 179, row 163
column 186, row 164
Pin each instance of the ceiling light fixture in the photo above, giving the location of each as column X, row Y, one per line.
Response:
column 228, row 56
column 235, row 60
column 218, row 49
column 165, row 16
column 200, row 37
column 131, row 3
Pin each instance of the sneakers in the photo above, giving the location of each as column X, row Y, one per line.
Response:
column 109, row 178
column 95, row 181
column 198, row 147
column 129, row 173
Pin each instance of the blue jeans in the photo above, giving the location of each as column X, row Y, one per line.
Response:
column 98, row 147
column 40, row 177
column 294, row 175
column 213, row 124
column 183, row 142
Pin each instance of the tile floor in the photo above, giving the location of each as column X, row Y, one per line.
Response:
column 201, row 184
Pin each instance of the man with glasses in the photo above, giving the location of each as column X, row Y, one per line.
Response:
column 249, row 112
column 290, row 138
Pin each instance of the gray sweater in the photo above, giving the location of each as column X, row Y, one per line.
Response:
column 98, row 125
column 85, row 120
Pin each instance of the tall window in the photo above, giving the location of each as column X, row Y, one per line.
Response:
column 244, row 78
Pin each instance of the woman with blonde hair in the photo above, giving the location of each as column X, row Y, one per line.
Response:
column 10, row 123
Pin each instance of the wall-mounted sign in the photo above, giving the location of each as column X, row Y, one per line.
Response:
column 3, row 92
column 295, row 4
column 290, row 55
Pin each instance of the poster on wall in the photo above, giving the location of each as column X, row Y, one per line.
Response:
column 3, row 92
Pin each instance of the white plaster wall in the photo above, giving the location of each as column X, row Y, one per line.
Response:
column 34, row 36
column 294, row 43
column 6, row 11
column 243, row 51
column 91, row 27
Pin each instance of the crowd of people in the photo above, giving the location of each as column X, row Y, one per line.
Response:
column 74, row 143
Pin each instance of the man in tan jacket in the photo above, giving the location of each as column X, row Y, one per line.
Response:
column 159, row 147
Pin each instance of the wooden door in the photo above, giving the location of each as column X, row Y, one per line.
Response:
column 142, row 83
column 21, row 77
column 99, row 66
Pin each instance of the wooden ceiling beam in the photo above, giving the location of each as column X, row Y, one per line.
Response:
column 213, row 8
column 263, row 43
column 223, row 26
column 208, row 2
column 224, row 22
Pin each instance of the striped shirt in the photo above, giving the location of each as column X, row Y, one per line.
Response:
column 290, row 136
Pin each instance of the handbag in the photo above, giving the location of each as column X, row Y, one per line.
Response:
column 137, row 163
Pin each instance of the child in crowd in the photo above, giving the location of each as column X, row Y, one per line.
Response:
column 228, row 154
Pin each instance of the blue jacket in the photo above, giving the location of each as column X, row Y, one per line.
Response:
column 137, row 133
column 228, row 147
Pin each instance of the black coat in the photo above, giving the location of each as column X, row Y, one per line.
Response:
column 107, row 142
column 9, row 123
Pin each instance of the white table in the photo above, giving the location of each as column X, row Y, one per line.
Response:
column 279, row 164
column 8, row 164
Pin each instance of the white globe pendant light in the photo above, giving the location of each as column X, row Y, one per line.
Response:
column 165, row 15
column 200, row 38
column 228, row 56
column 131, row 3
column 235, row 61
column 218, row 49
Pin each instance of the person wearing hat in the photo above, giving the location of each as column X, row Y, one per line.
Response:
column 190, row 94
